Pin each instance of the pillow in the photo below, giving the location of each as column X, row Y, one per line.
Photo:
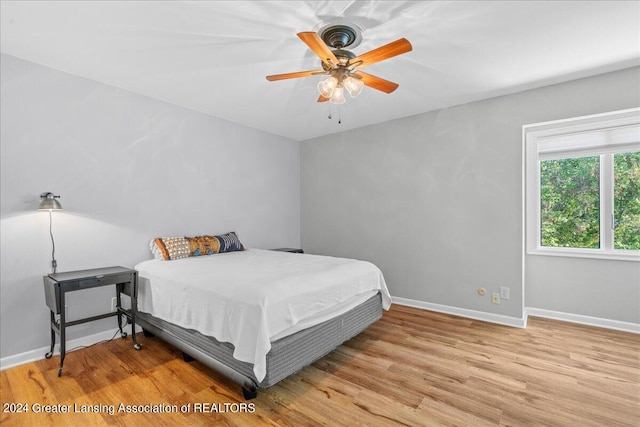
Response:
column 203, row 245
column 168, row 248
column 209, row 245
column 230, row 243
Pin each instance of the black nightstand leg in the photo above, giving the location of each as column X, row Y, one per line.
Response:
column 134, row 312
column 63, row 335
column 133, row 334
column 119, row 309
column 53, row 335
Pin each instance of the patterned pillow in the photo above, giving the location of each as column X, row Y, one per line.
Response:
column 209, row 245
column 230, row 242
column 170, row 248
column 203, row 245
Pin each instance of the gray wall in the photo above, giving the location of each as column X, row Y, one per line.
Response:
column 595, row 288
column 128, row 169
column 436, row 201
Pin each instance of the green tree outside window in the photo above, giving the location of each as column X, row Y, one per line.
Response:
column 626, row 200
column 570, row 202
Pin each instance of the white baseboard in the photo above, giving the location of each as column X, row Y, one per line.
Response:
column 521, row 323
column 38, row 354
column 463, row 312
column 584, row 320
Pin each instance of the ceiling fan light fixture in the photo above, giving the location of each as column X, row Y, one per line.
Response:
column 343, row 66
column 327, row 87
column 338, row 96
column 354, row 86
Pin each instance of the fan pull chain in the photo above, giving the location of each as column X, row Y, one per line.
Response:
column 330, row 116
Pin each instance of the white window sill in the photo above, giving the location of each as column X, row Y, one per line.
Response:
column 617, row 255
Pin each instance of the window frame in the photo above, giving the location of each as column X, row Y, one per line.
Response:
column 532, row 135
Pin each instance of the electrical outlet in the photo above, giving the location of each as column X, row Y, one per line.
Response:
column 114, row 301
column 504, row 292
column 495, row 298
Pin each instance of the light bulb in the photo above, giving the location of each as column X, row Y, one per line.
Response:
column 326, row 87
column 338, row 96
column 354, row 86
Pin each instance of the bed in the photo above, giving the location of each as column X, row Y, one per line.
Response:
column 258, row 316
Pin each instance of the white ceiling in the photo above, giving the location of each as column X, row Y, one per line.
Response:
column 213, row 56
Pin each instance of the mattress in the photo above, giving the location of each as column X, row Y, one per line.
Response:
column 250, row 298
column 288, row 355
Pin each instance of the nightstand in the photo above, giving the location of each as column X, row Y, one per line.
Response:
column 292, row 250
column 56, row 285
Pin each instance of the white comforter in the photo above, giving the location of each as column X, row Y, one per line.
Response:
column 245, row 298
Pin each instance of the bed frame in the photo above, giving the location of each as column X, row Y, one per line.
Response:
column 287, row 356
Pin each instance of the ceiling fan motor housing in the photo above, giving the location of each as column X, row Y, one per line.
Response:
column 339, row 36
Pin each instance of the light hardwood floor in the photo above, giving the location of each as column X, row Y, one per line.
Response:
column 412, row 367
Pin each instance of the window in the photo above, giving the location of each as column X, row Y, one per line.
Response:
column 570, row 202
column 582, row 186
column 626, row 201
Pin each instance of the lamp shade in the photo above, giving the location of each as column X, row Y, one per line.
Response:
column 338, row 96
column 48, row 202
column 326, row 87
column 354, row 86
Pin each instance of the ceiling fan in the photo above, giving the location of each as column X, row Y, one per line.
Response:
column 342, row 66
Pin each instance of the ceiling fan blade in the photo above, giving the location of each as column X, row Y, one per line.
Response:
column 387, row 51
column 318, row 47
column 294, row 75
column 377, row 82
column 322, row 99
